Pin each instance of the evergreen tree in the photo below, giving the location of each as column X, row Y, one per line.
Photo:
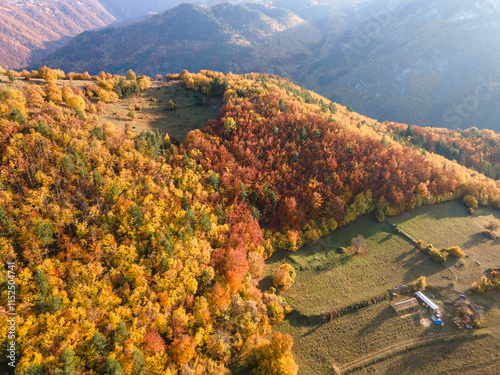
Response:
column 120, row 334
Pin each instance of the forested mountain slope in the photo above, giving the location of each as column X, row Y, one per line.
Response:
column 227, row 37
column 32, row 29
column 132, row 253
column 429, row 63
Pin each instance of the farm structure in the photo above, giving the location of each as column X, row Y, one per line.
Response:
column 405, row 305
column 426, row 300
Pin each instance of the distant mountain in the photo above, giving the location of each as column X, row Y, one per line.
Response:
column 226, row 37
column 30, row 30
column 426, row 62
column 432, row 63
column 131, row 10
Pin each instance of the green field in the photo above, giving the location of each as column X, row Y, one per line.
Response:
column 376, row 340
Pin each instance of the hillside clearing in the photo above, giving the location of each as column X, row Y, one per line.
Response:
column 193, row 109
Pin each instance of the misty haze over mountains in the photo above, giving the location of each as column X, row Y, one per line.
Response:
column 430, row 63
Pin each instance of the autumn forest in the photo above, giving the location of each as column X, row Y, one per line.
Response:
column 139, row 254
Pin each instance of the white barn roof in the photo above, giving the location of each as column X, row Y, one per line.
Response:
column 427, row 301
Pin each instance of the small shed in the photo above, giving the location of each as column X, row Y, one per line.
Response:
column 405, row 305
column 427, row 301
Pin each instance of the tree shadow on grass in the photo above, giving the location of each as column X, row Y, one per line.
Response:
column 476, row 239
column 421, row 265
column 430, row 354
column 405, row 255
column 277, row 257
column 386, row 238
column 365, row 225
column 297, row 319
column 266, row 283
column 376, row 322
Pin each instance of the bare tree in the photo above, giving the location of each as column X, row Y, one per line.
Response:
column 359, row 245
column 492, row 226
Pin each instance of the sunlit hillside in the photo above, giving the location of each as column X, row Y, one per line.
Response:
column 137, row 250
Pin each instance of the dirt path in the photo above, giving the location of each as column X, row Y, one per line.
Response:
column 395, row 350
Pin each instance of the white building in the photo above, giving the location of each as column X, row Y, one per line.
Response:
column 427, row 301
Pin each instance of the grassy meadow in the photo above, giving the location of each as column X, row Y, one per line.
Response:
column 193, row 109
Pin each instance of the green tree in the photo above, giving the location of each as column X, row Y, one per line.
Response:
column 6, row 228
column 282, row 105
column 131, row 113
column 138, row 362
column 303, row 134
column 70, row 363
column 34, row 369
column 99, row 344
column 230, row 124
column 43, row 129
column 18, row 116
column 45, row 231
column 112, row 367
column 244, row 193
column 120, row 334
column 131, row 76
column 275, row 130
column 46, row 302
column 137, row 215
column 214, row 180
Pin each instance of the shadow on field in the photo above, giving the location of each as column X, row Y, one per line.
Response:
column 476, row 239
column 193, row 109
column 376, row 322
column 436, row 350
column 386, row 238
column 405, row 255
column 342, row 236
column 266, row 283
column 421, row 265
column 297, row 319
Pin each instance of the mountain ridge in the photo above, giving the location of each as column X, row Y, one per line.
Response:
column 33, row 29
column 376, row 59
column 227, row 44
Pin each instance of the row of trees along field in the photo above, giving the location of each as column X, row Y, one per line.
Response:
column 135, row 256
